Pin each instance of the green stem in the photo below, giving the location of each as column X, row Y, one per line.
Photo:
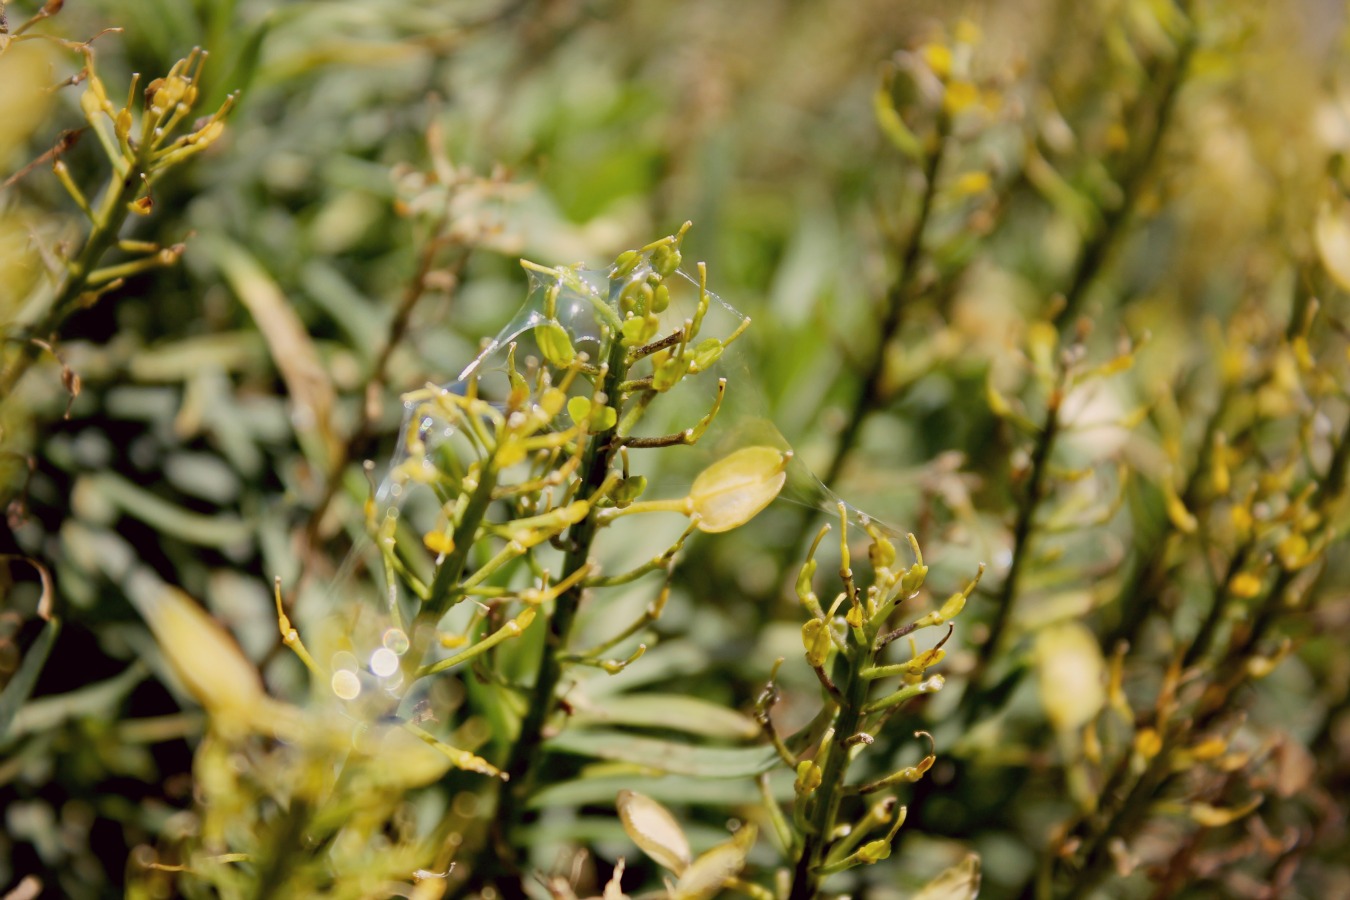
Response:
column 1148, row 578
column 108, row 221
column 825, row 809
column 869, row 394
column 527, row 752
column 446, row 588
column 1096, row 253
column 1204, row 638
column 976, row 696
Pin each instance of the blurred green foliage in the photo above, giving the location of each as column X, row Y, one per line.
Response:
column 1056, row 286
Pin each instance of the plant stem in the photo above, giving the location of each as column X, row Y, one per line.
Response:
column 1204, row 638
column 976, row 696
column 522, row 765
column 805, row 879
column 379, row 372
column 1096, row 253
column 112, row 214
column 869, row 393
column 1147, row 580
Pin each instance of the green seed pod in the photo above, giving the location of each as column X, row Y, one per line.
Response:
column 626, row 262
column 638, row 330
column 707, row 353
column 555, row 344
column 665, row 260
column 668, row 374
column 629, row 490
column 660, row 298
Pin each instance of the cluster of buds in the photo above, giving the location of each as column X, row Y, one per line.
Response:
column 142, row 140
column 845, row 644
column 549, row 445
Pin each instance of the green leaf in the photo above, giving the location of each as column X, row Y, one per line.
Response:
column 669, row 711
column 101, row 699
column 183, row 524
column 21, row 685
column 666, row 756
column 609, row 778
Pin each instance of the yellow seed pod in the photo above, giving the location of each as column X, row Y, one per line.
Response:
column 970, row 183
column 204, row 656
column 438, row 542
column 967, row 32
column 960, row 96
column 1241, row 516
column 733, row 490
column 651, row 826
column 1181, row 517
column 1217, row 817
column 1293, row 552
column 809, row 776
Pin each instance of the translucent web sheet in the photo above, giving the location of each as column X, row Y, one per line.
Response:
column 581, row 302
